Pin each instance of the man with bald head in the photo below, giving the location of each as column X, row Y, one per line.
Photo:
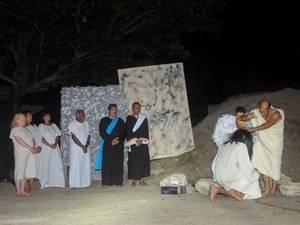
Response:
column 268, row 124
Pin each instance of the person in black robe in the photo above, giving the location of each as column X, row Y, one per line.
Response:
column 113, row 148
column 137, row 135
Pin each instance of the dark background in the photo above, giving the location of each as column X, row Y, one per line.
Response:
column 258, row 49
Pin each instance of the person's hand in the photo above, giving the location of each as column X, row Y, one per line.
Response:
column 53, row 146
column 251, row 130
column 115, row 141
column 38, row 149
column 139, row 142
column 84, row 149
column 33, row 150
column 240, row 124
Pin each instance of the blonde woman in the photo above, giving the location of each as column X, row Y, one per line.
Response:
column 24, row 146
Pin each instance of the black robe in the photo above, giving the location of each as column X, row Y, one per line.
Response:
column 112, row 155
column 138, row 157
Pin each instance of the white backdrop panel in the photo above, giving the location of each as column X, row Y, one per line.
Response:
column 94, row 101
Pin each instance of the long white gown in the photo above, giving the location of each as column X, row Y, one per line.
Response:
column 80, row 165
column 39, row 163
column 232, row 169
column 53, row 164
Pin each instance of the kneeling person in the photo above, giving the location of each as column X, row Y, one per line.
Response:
column 233, row 170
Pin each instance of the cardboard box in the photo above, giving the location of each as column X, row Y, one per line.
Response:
column 173, row 189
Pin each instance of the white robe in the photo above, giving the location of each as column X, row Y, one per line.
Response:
column 80, row 169
column 232, row 169
column 51, row 158
column 24, row 161
column 268, row 146
column 39, row 163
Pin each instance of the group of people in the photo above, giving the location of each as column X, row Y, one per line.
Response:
column 37, row 152
column 240, row 160
column 237, row 166
column 113, row 132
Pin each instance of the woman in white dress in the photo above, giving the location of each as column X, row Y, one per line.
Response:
column 233, row 171
column 24, row 147
column 51, row 154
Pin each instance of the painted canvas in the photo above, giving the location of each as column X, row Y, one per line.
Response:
column 161, row 91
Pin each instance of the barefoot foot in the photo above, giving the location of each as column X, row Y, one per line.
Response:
column 213, row 193
column 271, row 194
column 265, row 194
column 236, row 195
column 23, row 194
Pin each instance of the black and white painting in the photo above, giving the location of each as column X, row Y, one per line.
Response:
column 161, row 91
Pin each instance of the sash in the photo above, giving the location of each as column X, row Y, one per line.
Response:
column 139, row 122
column 111, row 126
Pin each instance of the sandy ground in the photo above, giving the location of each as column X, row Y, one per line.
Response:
column 139, row 205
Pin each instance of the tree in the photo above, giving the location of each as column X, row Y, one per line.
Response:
column 46, row 43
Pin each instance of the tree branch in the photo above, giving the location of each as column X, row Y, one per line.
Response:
column 57, row 76
column 42, row 34
column 7, row 12
column 125, row 30
column 7, row 79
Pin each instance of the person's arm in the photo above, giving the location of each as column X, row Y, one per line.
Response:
column 24, row 144
column 85, row 147
column 76, row 141
column 46, row 142
column 33, row 142
column 102, row 130
column 122, row 130
column 58, row 134
column 130, row 136
column 273, row 120
column 56, row 141
column 246, row 117
column 88, row 141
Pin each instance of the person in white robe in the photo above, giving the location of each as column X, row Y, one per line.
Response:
column 80, row 169
column 233, row 171
column 36, row 157
column 268, row 124
column 53, row 172
column 24, row 146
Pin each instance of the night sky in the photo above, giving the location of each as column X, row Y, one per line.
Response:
column 258, row 47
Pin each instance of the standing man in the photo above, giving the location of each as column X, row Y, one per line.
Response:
column 112, row 131
column 268, row 123
column 80, row 170
column 137, row 135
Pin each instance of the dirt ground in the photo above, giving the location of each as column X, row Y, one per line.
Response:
column 145, row 205
column 139, row 205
